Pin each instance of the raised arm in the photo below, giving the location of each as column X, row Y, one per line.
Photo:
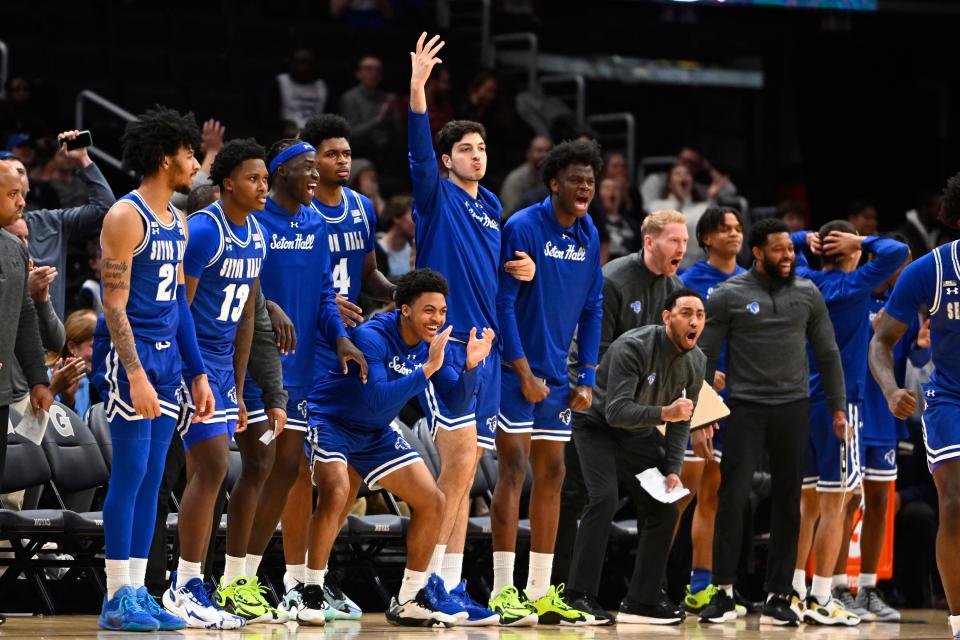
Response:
column 423, row 160
column 86, row 217
column 890, row 256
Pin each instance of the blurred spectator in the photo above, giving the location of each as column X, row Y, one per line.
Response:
column 76, row 358
column 22, row 146
column 922, row 227
column 41, row 195
column 364, row 179
column 371, row 112
column 862, row 214
column 59, row 174
column 89, row 295
column 302, row 93
column 439, row 90
column 395, row 252
column 203, row 196
column 525, row 177
column 363, row 13
column 486, row 103
column 794, row 214
column 51, row 229
column 679, row 194
column 19, row 111
column 709, row 183
column 615, row 167
column 211, row 141
column 622, row 228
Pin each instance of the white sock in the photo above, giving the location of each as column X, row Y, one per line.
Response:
column 451, row 569
column 728, row 589
column 296, row 572
column 954, row 624
column 233, row 568
column 839, row 581
column 118, row 575
column 868, row 580
column 412, row 582
column 315, row 576
column 252, row 563
column 436, row 560
column 186, row 571
column 503, row 562
column 821, row 588
column 138, row 572
column 538, row 577
column 800, row 583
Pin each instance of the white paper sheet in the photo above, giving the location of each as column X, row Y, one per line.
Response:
column 32, row 428
column 655, row 484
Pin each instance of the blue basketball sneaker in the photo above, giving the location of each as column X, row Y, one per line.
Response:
column 441, row 601
column 123, row 612
column 166, row 620
column 478, row 615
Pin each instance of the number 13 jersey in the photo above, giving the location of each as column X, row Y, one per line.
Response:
column 227, row 260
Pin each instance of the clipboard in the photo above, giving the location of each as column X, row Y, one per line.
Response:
column 710, row 408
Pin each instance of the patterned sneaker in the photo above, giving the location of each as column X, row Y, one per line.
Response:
column 166, row 621
column 418, row 612
column 695, row 602
column 440, row 600
column 233, row 621
column 796, row 604
column 340, row 605
column 844, row 596
column 553, row 609
column 123, row 612
column 478, row 615
column 292, row 600
column 512, row 611
column 244, row 597
column 192, row 603
column 832, row 613
column 875, row 608
column 314, row 609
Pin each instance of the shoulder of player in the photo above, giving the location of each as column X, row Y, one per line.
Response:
column 123, row 218
column 11, row 243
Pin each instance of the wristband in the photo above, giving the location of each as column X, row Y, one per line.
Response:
column 587, row 376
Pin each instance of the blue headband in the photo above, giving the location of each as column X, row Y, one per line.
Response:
column 290, row 152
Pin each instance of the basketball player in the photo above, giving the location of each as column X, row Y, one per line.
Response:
column 720, row 236
column 538, row 320
column 296, row 276
column 351, row 226
column 830, row 483
column 144, row 341
column 930, row 285
column 458, row 235
column 350, row 425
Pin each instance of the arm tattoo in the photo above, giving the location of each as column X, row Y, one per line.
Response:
column 122, row 336
column 113, row 274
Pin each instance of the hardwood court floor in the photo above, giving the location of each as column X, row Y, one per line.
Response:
column 918, row 624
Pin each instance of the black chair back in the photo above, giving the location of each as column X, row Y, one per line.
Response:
column 25, row 466
column 75, row 458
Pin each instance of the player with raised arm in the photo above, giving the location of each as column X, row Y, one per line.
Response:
column 536, row 398
column 930, row 286
column 296, row 276
column 351, row 237
column 144, row 341
column 458, row 235
column 351, row 438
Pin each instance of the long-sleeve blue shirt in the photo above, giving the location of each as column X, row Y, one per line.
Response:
column 457, row 235
column 537, row 319
column 394, row 376
column 848, row 297
column 296, row 275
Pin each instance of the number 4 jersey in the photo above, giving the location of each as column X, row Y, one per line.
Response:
column 227, row 260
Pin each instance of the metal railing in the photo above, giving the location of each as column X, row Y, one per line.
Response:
column 525, row 58
column 624, row 132
column 111, row 107
column 4, row 68
column 575, row 93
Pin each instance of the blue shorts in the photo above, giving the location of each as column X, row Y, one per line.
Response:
column 941, row 426
column 296, row 407
column 880, row 462
column 481, row 413
column 160, row 361
column 548, row 419
column 372, row 454
column 224, row 420
column 823, row 452
column 690, row 456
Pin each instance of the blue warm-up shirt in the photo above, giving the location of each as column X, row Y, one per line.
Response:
column 457, row 235
column 296, row 276
column 394, row 376
column 933, row 283
column 537, row 319
column 848, row 297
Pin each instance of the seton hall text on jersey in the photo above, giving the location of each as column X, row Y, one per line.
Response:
column 167, row 250
column 352, row 241
column 578, row 254
column 297, row 242
column 240, row 268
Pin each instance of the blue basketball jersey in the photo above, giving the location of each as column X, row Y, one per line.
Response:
column 152, row 303
column 933, row 282
column 351, row 235
column 227, row 260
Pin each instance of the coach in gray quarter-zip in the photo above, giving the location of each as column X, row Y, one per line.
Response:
column 766, row 317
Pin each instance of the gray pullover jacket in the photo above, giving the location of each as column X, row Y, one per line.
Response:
column 766, row 327
column 264, row 364
column 641, row 373
column 19, row 332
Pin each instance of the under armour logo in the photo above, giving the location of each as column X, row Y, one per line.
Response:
column 931, row 393
column 294, row 224
column 953, row 290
